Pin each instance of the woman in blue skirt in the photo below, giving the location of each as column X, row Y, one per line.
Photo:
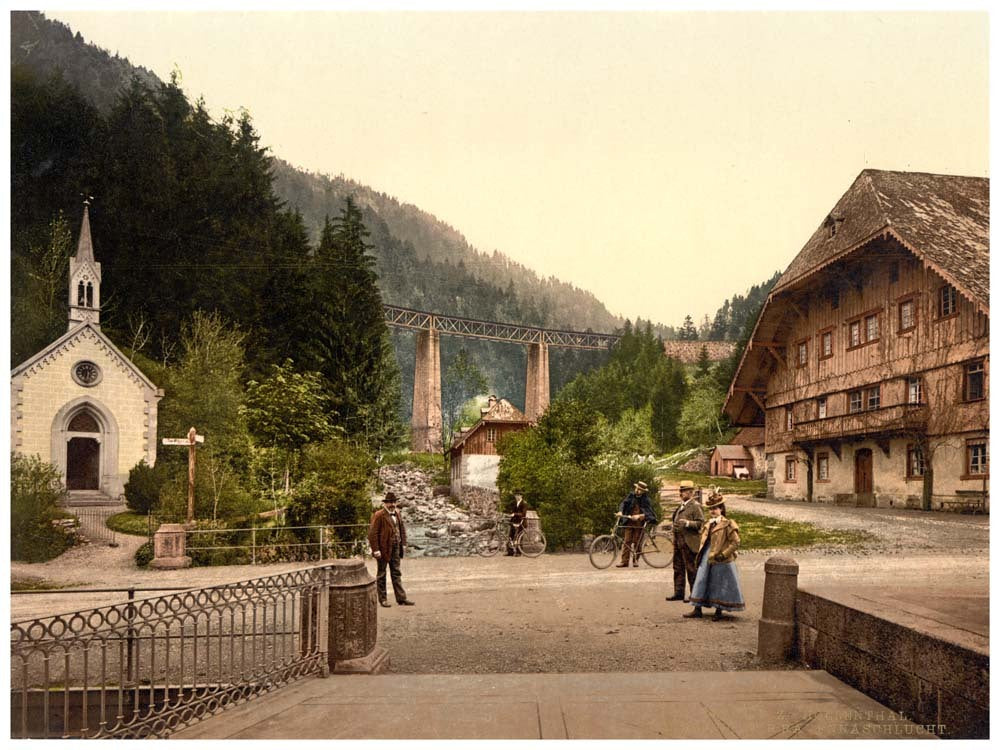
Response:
column 716, row 584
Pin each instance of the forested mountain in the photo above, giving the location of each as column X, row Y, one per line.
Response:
column 739, row 313
column 190, row 213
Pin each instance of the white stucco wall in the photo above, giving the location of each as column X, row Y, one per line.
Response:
column 480, row 471
column 40, row 392
column 890, row 485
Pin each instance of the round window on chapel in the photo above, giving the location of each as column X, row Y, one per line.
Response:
column 86, row 373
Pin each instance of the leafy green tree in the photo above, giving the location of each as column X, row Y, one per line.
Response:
column 701, row 421
column 666, row 400
column 287, row 411
column 35, row 492
column 462, row 381
column 204, row 391
column 335, row 488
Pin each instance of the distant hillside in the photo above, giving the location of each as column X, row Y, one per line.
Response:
column 50, row 47
column 562, row 305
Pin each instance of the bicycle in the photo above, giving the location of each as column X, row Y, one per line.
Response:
column 656, row 547
column 529, row 541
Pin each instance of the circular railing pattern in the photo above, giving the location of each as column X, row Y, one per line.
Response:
column 150, row 666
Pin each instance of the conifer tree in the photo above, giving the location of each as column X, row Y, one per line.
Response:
column 348, row 340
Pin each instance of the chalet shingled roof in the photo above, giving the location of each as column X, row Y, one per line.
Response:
column 503, row 411
column 942, row 219
column 749, row 436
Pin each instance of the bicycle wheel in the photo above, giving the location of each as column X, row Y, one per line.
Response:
column 531, row 542
column 603, row 551
column 490, row 542
column 657, row 550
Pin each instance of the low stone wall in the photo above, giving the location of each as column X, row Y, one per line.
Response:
column 936, row 675
column 689, row 351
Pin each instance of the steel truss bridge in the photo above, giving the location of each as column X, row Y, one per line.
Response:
column 402, row 317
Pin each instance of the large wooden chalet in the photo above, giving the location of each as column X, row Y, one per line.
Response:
column 869, row 363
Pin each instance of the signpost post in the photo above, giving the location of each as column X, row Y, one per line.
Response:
column 191, row 441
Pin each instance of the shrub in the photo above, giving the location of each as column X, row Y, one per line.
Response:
column 144, row 555
column 142, row 490
column 572, row 497
column 335, row 488
column 35, row 492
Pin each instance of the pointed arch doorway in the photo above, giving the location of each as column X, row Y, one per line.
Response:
column 85, row 447
column 83, row 452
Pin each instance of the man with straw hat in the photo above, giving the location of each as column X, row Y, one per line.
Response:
column 686, row 521
column 634, row 511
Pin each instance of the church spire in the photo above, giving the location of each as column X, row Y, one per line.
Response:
column 84, row 278
column 85, row 247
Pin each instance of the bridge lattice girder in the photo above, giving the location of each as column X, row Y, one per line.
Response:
column 402, row 317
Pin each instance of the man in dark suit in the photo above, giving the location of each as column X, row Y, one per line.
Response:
column 634, row 512
column 687, row 520
column 387, row 538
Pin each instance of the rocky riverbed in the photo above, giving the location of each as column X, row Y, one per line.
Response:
column 435, row 525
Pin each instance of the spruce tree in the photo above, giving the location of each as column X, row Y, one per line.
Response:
column 348, row 340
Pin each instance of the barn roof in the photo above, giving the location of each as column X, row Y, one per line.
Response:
column 731, row 452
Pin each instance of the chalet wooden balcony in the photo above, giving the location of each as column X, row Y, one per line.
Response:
column 883, row 422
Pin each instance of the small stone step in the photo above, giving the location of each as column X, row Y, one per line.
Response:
column 80, row 498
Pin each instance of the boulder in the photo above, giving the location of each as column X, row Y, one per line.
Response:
column 458, row 527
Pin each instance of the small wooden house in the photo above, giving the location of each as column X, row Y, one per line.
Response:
column 475, row 460
column 727, row 458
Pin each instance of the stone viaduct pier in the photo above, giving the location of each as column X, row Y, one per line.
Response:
column 427, row 420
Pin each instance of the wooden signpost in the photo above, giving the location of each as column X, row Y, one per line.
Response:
column 191, row 441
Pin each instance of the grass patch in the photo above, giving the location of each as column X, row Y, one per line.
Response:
column 128, row 522
column 38, row 584
column 726, row 484
column 764, row 532
column 430, row 463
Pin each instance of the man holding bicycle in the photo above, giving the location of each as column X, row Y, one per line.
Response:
column 516, row 525
column 634, row 512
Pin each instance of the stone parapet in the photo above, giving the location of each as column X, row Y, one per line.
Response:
column 903, row 654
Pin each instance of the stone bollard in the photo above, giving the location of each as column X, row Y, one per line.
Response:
column 169, row 546
column 776, row 632
column 352, row 619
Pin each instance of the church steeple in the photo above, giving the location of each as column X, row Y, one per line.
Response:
column 84, row 278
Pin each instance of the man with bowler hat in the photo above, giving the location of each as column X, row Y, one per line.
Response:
column 387, row 538
column 687, row 521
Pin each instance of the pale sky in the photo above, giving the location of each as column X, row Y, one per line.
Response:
column 663, row 161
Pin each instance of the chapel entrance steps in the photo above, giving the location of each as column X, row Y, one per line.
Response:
column 86, row 498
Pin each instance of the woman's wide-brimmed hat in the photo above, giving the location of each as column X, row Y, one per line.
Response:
column 715, row 499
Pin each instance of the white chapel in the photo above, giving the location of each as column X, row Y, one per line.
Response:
column 81, row 404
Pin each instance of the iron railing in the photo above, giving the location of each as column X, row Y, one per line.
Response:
column 147, row 667
column 281, row 543
column 93, row 524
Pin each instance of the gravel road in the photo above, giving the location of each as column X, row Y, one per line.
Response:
column 557, row 613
